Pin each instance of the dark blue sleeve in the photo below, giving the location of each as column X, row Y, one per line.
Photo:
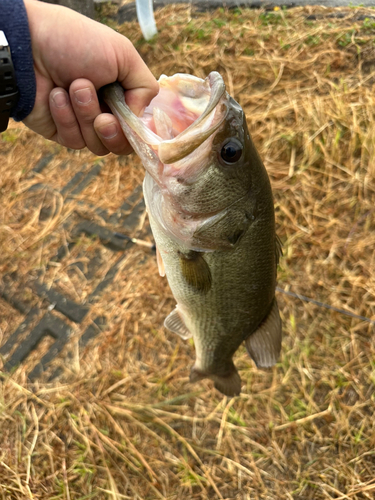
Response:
column 14, row 23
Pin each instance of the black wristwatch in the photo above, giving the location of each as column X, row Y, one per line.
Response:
column 8, row 87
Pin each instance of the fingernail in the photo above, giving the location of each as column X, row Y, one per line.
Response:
column 108, row 131
column 83, row 96
column 60, row 99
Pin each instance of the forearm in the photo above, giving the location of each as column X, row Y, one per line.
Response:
column 14, row 23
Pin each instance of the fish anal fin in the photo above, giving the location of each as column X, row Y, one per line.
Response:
column 175, row 324
column 229, row 384
column 196, row 271
column 264, row 345
column 160, row 262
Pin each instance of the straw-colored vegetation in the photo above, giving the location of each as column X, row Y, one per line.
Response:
column 124, row 422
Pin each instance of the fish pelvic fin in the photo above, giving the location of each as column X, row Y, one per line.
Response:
column 160, row 262
column 175, row 324
column 264, row 345
column 229, row 384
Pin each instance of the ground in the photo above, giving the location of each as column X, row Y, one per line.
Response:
column 121, row 419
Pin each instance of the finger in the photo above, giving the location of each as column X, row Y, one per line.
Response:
column 134, row 76
column 86, row 108
column 40, row 119
column 68, row 132
column 110, row 132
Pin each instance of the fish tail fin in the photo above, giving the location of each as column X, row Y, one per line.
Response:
column 229, row 384
column 264, row 345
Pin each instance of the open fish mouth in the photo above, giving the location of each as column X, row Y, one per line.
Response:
column 185, row 113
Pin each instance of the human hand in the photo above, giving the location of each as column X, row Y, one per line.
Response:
column 73, row 57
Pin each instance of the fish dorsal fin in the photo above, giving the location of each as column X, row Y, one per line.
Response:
column 175, row 324
column 160, row 262
column 196, row 271
column 264, row 345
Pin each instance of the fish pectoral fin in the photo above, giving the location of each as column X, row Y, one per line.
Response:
column 229, row 385
column 160, row 262
column 196, row 271
column 264, row 345
column 176, row 324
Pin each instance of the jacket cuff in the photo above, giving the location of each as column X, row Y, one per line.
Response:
column 14, row 23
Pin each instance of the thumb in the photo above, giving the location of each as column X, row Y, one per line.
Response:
column 134, row 76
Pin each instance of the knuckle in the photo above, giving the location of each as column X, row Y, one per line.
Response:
column 70, row 142
column 66, row 120
column 86, row 116
column 121, row 150
column 69, row 125
column 100, row 151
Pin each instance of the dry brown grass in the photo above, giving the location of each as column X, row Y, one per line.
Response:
column 124, row 421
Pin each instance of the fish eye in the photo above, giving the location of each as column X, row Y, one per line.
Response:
column 231, row 151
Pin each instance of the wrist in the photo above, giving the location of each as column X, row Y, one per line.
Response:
column 8, row 87
column 14, row 23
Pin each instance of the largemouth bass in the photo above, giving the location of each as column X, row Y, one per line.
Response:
column 210, row 206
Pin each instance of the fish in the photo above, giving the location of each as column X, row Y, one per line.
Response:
column 211, row 211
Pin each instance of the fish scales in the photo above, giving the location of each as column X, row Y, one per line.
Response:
column 211, row 212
